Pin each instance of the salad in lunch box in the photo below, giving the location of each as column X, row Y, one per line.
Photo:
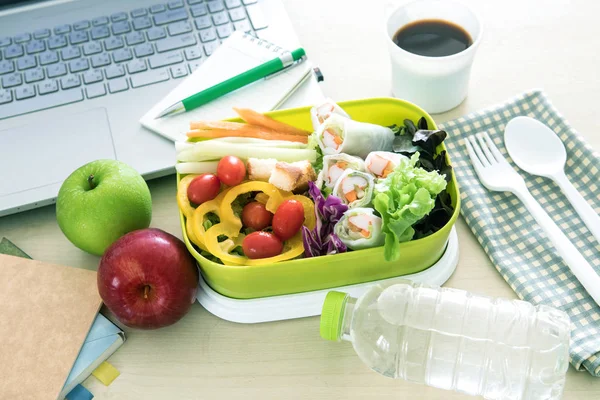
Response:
column 264, row 191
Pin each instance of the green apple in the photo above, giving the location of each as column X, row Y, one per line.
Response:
column 100, row 202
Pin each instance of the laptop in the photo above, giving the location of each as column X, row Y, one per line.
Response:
column 77, row 75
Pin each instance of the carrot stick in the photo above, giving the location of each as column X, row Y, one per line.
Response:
column 255, row 118
column 230, row 126
column 251, row 133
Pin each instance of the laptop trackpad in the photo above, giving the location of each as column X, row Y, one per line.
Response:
column 47, row 151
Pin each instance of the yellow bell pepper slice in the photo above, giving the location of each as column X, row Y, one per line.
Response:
column 203, row 209
column 182, row 197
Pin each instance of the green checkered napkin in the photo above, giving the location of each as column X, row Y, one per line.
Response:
column 508, row 233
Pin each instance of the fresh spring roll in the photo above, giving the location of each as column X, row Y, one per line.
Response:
column 382, row 163
column 360, row 228
column 319, row 113
column 354, row 188
column 335, row 165
column 343, row 135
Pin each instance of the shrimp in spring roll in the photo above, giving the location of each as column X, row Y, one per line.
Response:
column 382, row 163
column 343, row 135
column 354, row 188
column 335, row 165
column 319, row 113
column 360, row 228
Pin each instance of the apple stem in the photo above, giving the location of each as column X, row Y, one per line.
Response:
column 146, row 291
column 91, row 181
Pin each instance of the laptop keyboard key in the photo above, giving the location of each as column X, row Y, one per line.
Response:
column 199, row 10
column 194, row 66
column 237, row 14
column 25, row 92
column 41, row 34
column 179, row 28
column 118, row 85
column 209, row 48
column 61, row 29
column 6, row 66
column 99, row 21
column 48, row 57
column 139, row 12
column 120, row 16
column 92, row 76
column 112, row 43
column 100, row 32
column 136, row 66
column 220, row 18
column 81, row 25
column 11, row 80
column 79, row 65
column 34, row 75
column 119, row 28
column 243, row 26
column 224, row 31
column 41, row 103
column 173, row 43
column 95, row 90
column 70, row 81
column 122, row 55
column 92, row 48
column 171, row 16
column 114, row 71
column 100, row 60
column 149, row 77
column 142, row 23
column 156, row 33
column 206, row 35
column 248, row 2
column 36, row 46
column 162, row 60
column 143, row 50
column 215, row 6
column 179, row 71
column 173, row 4
column 157, row 8
column 22, row 38
column 70, row 53
column 134, row 38
column 257, row 17
column 192, row 53
column 13, row 51
column 192, row 2
column 47, row 87
column 5, row 96
column 56, row 70
column 233, row 3
column 78, row 37
column 203, row 22
column 5, row 41
column 26, row 62
column 56, row 42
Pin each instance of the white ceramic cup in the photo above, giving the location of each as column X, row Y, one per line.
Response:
column 436, row 84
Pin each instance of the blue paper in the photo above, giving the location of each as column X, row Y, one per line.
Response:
column 80, row 393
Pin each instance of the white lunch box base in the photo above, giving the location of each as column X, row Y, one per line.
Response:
column 308, row 304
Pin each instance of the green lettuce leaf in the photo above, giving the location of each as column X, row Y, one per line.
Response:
column 402, row 199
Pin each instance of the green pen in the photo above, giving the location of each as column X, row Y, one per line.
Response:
column 262, row 71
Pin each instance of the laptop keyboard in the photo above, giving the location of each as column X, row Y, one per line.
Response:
column 114, row 53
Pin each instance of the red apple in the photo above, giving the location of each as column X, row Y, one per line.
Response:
column 148, row 279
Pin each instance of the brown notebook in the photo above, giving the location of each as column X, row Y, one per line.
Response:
column 46, row 312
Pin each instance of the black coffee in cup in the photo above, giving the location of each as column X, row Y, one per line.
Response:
column 432, row 38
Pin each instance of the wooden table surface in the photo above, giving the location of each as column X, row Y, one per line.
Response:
column 527, row 44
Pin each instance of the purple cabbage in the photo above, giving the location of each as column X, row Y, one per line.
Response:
column 321, row 240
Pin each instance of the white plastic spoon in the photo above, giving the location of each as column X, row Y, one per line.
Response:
column 535, row 148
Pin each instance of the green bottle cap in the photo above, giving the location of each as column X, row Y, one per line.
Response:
column 331, row 315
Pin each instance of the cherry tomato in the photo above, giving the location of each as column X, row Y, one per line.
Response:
column 256, row 216
column 203, row 188
column 261, row 245
column 288, row 219
column 231, row 170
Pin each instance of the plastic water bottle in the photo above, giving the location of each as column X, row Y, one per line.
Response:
column 452, row 339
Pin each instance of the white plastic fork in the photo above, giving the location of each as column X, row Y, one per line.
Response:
column 496, row 174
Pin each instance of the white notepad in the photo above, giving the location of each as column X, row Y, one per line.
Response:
column 239, row 53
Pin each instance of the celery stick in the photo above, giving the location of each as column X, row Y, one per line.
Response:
column 213, row 150
column 180, row 146
column 197, row 167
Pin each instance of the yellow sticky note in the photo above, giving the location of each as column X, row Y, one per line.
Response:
column 106, row 373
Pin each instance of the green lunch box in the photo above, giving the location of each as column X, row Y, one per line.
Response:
column 308, row 274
